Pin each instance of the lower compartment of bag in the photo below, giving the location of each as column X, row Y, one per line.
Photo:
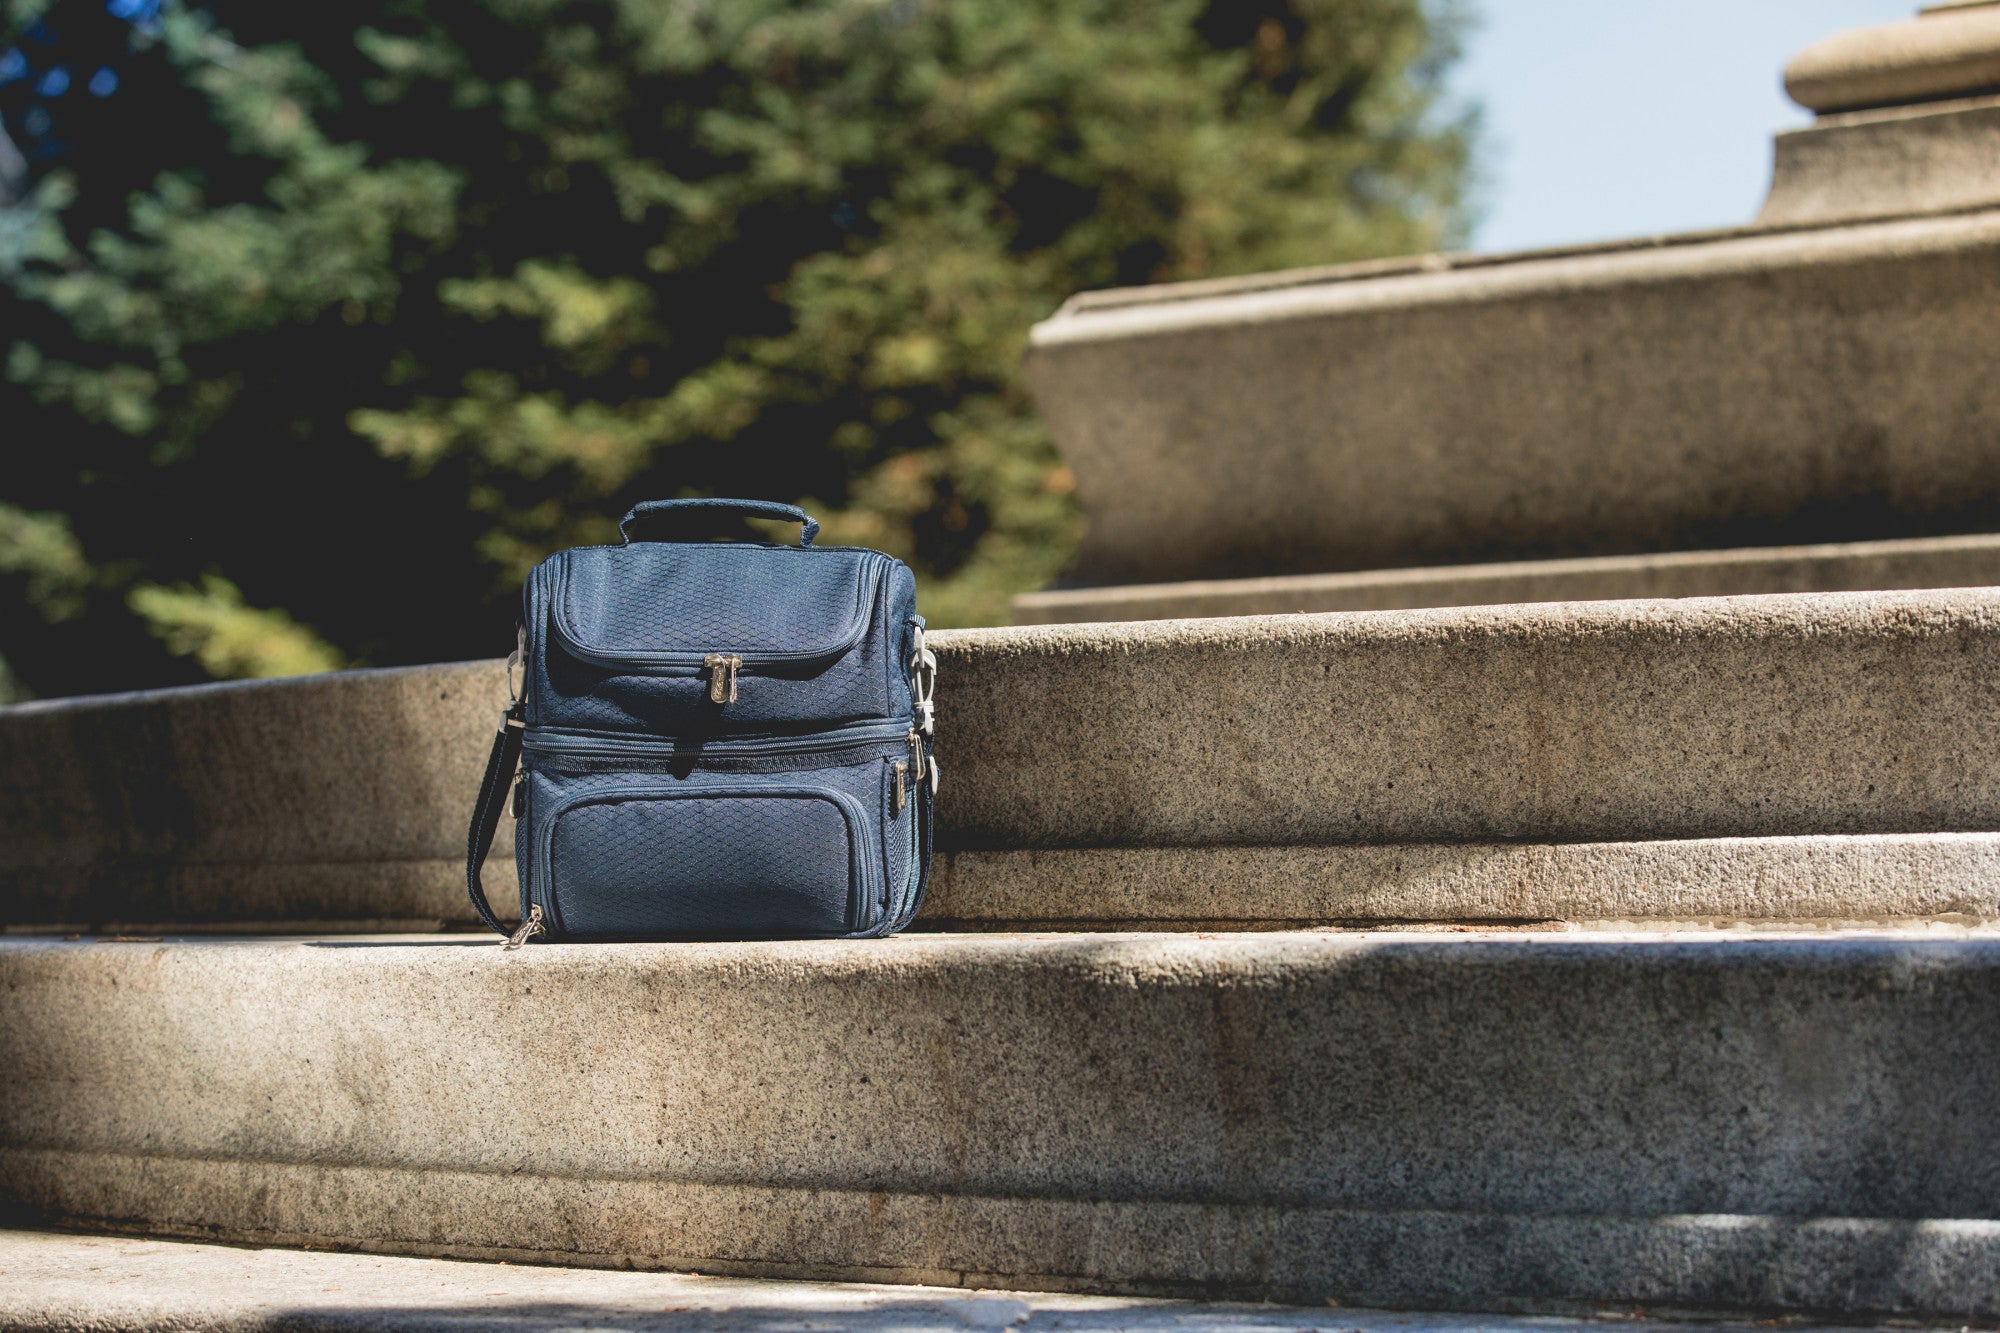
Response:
column 804, row 837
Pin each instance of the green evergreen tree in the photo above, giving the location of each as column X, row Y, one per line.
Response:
column 404, row 294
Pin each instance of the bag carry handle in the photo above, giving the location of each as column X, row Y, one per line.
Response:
column 746, row 508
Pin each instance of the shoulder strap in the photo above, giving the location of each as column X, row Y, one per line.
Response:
column 500, row 765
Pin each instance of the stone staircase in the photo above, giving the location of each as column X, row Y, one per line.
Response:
column 1545, row 1080
column 1558, row 957
column 1788, row 406
column 1477, row 1121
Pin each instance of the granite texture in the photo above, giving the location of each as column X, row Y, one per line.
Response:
column 1388, row 734
column 1519, row 1121
column 1830, row 384
column 1881, row 877
column 1931, row 158
column 1575, row 722
column 51, row 1283
column 323, row 798
column 1933, row 562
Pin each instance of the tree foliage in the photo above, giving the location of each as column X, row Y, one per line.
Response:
column 333, row 319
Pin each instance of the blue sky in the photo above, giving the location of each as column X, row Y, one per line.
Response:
column 1609, row 118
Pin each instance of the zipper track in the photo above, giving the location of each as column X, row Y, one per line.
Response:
column 898, row 913
column 583, row 746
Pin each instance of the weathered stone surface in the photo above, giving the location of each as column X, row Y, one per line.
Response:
column 333, row 797
column 1925, row 562
column 1881, row 877
column 1848, row 167
column 1831, row 713
column 1747, row 389
column 116, row 1284
column 1808, row 1123
column 1797, row 880
column 344, row 797
column 1951, row 50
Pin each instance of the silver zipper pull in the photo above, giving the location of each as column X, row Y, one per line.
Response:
column 917, row 756
column 529, row 929
column 722, row 669
column 902, row 785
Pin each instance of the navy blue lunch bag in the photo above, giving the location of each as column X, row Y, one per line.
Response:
column 716, row 740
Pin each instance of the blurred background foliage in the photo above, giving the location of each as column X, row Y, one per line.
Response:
column 320, row 324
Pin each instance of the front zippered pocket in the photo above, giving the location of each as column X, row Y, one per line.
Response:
column 651, row 857
column 760, row 837
column 666, row 640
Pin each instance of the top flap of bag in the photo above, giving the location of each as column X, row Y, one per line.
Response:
column 668, row 604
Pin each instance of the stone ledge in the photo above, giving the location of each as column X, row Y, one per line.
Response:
column 342, row 796
column 1572, row 722
column 1720, row 881
column 1754, row 389
column 1780, row 881
column 1476, row 1122
column 1933, row 158
column 116, row 1284
column 1930, row 562
column 1836, row 715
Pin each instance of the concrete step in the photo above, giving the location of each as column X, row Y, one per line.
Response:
column 1786, row 758
column 1472, row 1121
column 1679, row 393
column 62, row 1283
column 1925, row 562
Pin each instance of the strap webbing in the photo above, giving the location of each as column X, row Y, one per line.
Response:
column 486, row 814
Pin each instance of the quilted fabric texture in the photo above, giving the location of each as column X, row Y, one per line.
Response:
column 620, row 601
column 698, row 866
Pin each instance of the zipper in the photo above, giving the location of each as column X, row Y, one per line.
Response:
column 530, row 927
column 721, row 669
column 900, row 901
column 913, row 878
column 590, row 745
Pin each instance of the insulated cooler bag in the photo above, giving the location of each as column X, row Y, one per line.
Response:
column 715, row 740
